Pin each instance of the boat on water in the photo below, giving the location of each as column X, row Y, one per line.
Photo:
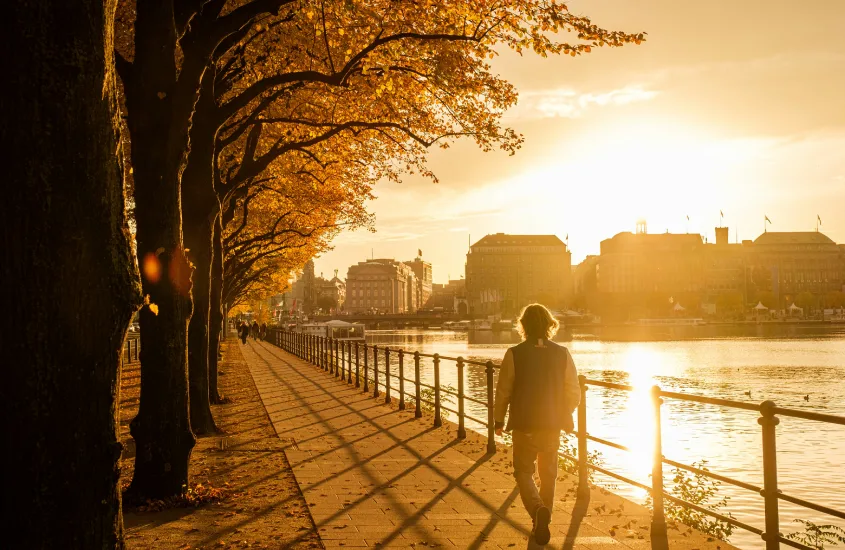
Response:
column 338, row 330
column 671, row 322
column 457, row 325
column 482, row 324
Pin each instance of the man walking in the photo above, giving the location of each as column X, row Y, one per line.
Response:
column 539, row 384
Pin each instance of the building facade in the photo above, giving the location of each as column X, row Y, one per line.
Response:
column 641, row 262
column 786, row 266
column 640, row 275
column 506, row 272
column 449, row 297
column 330, row 293
column 381, row 286
column 423, row 276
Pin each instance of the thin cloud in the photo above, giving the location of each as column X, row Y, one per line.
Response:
column 568, row 103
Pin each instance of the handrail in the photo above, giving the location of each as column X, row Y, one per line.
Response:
column 337, row 358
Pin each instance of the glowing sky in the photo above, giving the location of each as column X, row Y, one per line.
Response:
column 732, row 105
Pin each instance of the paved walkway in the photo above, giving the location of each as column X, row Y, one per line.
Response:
column 376, row 477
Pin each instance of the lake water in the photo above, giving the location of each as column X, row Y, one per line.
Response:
column 811, row 455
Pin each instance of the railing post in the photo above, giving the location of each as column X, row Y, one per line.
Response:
column 329, row 353
column 357, row 367
column 342, row 345
column 770, row 491
column 658, row 518
column 375, row 371
column 324, row 364
column 401, row 380
column 366, row 368
column 387, row 375
column 462, row 433
column 346, row 351
column 491, row 416
column 437, row 420
column 343, row 364
column 128, row 352
column 583, row 470
column 418, row 408
column 349, row 362
column 337, row 363
column 311, row 355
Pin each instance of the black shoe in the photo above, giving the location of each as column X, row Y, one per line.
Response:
column 542, row 519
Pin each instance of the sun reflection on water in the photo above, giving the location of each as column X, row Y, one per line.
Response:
column 641, row 364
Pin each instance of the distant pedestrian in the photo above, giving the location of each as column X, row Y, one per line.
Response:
column 538, row 383
column 255, row 329
column 243, row 331
column 263, row 331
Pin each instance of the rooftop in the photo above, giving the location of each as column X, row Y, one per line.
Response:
column 503, row 239
column 793, row 237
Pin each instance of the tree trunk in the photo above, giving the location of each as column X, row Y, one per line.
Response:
column 198, row 241
column 67, row 274
column 199, row 210
column 217, row 319
column 158, row 119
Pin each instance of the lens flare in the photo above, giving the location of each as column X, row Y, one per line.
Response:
column 151, row 268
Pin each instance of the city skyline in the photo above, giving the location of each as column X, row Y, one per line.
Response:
column 701, row 117
column 439, row 278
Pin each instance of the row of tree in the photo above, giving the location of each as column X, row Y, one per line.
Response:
column 242, row 135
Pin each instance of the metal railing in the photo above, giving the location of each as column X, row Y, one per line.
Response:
column 129, row 353
column 339, row 356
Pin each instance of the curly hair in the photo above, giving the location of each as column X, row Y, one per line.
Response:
column 536, row 321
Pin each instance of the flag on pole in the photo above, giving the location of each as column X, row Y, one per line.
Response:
column 819, row 218
column 766, row 218
column 687, row 217
column 419, row 252
column 567, row 237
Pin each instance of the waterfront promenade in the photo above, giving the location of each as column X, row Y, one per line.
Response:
column 373, row 476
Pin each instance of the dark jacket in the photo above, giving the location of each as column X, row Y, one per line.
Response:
column 538, row 383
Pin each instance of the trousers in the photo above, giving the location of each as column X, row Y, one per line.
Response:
column 536, row 452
